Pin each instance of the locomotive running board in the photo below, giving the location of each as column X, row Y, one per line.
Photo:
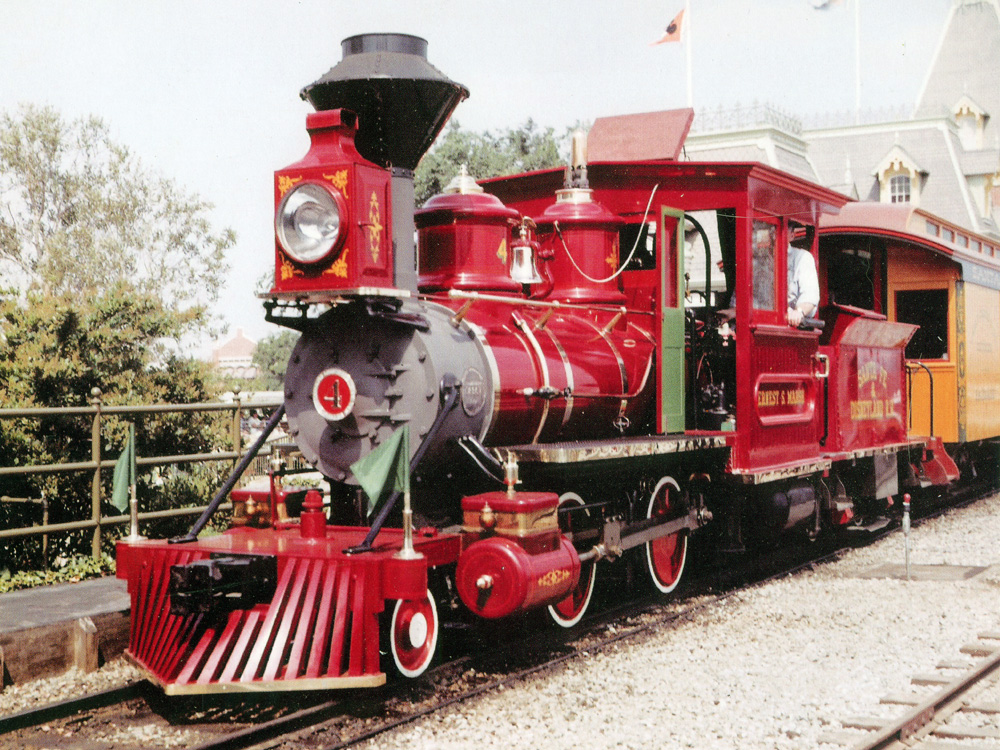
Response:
column 605, row 450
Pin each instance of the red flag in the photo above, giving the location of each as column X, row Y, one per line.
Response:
column 672, row 32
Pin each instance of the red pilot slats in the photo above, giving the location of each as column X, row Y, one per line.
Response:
column 221, row 649
column 340, row 619
column 279, row 649
column 320, row 628
column 304, row 630
column 323, row 617
column 236, row 658
column 357, row 653
column 197, row 657
column 266, row 637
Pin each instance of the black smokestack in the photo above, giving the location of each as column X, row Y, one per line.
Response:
column 402, row 101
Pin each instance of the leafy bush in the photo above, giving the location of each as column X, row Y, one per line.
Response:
column 65, row 570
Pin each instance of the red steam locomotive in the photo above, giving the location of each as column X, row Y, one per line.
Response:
column 569, row 402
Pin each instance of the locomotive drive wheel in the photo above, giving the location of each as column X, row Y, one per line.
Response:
column 413, row 635
column 665, row 557
column 568, row 612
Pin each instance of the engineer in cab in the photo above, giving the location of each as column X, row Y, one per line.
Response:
column 803, row 285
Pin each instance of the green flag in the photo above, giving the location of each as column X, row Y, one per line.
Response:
column 124, row 473
column 386, row 468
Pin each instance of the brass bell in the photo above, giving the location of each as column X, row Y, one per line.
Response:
column 522, row 264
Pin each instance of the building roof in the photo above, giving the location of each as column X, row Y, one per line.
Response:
column 967, row 61
column 767, row 145
column 238, row 347
column 639, row 137
column 933, row 145
column 982, row 162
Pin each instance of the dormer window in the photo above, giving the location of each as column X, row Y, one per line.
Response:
column 899, row 177
column 899, row 188
column 971, row 120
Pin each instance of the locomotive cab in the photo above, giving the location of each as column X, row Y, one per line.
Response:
column 728, row 360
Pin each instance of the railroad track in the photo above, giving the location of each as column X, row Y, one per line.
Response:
column 231, row 722
column 136, row 714
column 943, row 707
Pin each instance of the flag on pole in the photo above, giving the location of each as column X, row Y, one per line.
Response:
column 672, row 32
column 124, row 473
column 385, row 469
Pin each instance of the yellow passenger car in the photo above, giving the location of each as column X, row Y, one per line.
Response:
column 914, row 267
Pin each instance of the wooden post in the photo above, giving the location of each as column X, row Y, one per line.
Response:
column 84, row 645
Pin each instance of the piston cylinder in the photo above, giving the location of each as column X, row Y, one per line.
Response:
column 497, row 577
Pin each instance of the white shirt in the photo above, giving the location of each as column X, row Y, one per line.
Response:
column 803, row 283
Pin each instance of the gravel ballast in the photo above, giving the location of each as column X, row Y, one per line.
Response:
column 775, row 666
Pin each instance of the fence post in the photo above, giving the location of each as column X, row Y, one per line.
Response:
column 45, row 537
column 236, row 431
column 95, row 456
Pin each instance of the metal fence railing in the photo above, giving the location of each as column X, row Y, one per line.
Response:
column 97, row 411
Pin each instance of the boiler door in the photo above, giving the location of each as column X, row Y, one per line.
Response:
column 361, row 371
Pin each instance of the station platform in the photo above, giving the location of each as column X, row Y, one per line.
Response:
column 46, row 631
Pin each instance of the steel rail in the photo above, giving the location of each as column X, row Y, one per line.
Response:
column 283, row 725
column 924, row 713
column 34, row 717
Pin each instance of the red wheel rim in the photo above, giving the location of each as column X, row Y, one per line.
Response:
column 569, row 611
column 413, row 635
column 665, row 557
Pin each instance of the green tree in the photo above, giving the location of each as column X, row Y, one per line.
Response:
column 486, row 154
column 79, row 214
column 54, row 352
column 271, row 359
column 109, row 266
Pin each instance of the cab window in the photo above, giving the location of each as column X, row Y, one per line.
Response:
column 763, row 244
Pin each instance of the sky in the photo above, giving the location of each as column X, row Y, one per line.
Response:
column 207, row 92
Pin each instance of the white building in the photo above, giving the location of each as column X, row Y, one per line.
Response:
column 234, row 358
column 943, row 155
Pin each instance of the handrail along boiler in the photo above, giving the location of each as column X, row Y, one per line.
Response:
column 570, row 403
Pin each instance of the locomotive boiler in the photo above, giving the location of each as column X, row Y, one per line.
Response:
column 569, row 403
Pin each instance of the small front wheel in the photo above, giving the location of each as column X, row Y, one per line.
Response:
column 413, row 635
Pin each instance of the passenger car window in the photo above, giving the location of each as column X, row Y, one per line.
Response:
column 927, row 308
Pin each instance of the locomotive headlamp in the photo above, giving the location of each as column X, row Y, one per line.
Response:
column 310, row 222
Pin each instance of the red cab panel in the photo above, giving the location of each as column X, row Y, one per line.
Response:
column 867, row 394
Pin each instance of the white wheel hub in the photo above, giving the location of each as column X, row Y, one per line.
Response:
column 418, row 630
